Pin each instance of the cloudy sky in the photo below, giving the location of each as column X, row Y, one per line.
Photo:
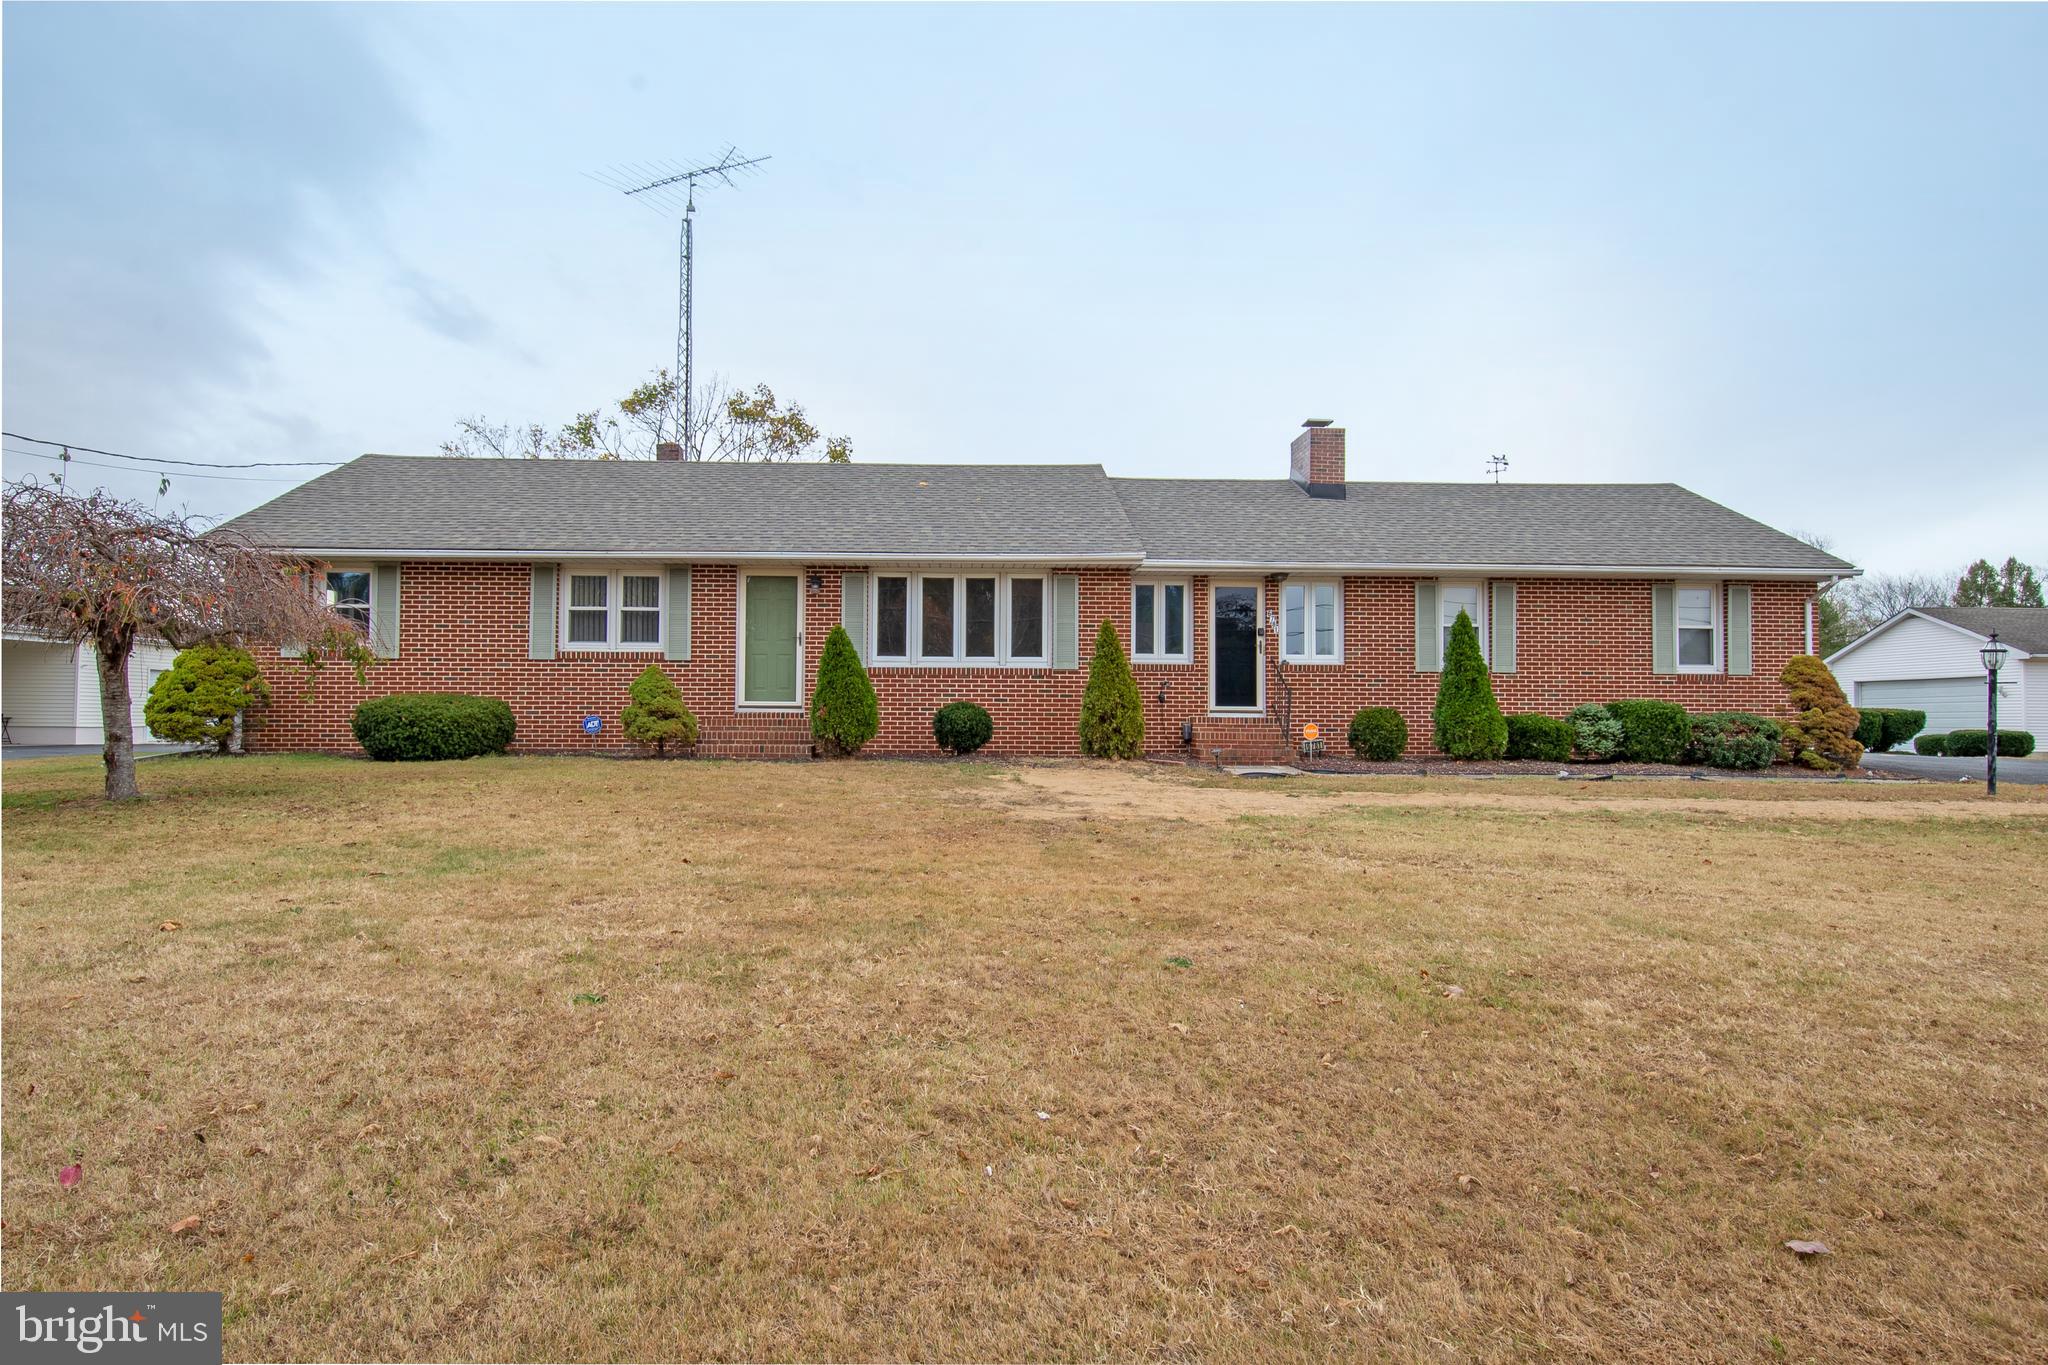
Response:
column 1793, row 259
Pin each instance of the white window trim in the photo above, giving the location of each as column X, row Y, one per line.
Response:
column 1159, row 586
column 1479, row 621
column 614, row 602
column 913, row 623
column 1713, row 592
column 369, row 572
column 1309, row 658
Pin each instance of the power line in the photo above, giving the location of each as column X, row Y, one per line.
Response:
column 159, row 459
column 124, row 469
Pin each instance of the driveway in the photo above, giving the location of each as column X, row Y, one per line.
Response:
column 14, row 751
column 2023, row 772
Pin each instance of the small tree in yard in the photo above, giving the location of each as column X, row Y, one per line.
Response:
column 88, row 568
column 1112, row 714
column 844, row 715
column 199, row 699
column 1822, row 732
column 656, row 714
column 1469, row 723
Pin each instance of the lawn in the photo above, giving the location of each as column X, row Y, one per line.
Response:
column 563, row 1059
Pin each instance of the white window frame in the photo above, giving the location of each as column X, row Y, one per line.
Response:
column 1479, row 622
column 1713, row 592
column 914, row 655
column 369, row 593
column 1159, row 654
column 1308, row 654
column 614, row 603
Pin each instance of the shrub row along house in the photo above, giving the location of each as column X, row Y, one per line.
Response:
column 1249, row 607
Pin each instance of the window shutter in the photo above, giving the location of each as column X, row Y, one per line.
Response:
column 384, row 610
column 1738, row 628
column 1503, row 627
column 1066, row 620
column 853, row 610
column 678, row 646
column 1663, row 628
column 1429, row 629
column 541, row 637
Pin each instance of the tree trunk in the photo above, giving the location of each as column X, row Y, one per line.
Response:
column 116, row 717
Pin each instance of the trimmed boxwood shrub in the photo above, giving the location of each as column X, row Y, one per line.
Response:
column 844, row 714
column 1544, row 737
column 1972, row 743
column 1468, row 720
column 1112, row 713
column 1652, row 731
column 656, row 713
column 961, row 727
column 425, row 726
column 1596, row 734
column 1378, row 732
column 1934, row 745
column 1734, row 739
column 1883, row 727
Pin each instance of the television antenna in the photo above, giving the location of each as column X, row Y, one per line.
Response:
column 669, row 187
column 1495, row 464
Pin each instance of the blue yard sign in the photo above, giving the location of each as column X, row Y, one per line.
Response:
column 592, row 724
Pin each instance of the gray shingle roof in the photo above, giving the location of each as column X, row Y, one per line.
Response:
column 388, row 504
column 1271, row 521
column 2021, row 627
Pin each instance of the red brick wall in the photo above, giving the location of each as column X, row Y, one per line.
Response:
column 464, row 629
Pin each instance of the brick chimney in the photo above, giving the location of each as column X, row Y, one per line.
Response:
column 673, row 450
column 1316, row 459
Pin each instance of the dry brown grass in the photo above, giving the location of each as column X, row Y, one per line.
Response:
column 804, row 1118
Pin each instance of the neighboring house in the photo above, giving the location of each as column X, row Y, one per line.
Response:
column 1925, row 659
column 1249, row 607
column 51, row 692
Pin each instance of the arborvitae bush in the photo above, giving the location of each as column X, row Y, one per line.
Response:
column 656, row 714
column 961, row 727
column 424, row 726
column 1468, row 719
column 1734, row 739
column 1652, row 731
column 1112, row 715
column 1596, row 734
column 1542, row 737
column 197, row 700
column 1973, row 743
column 844, row 714
column 1378, row 732
column 1822, row 731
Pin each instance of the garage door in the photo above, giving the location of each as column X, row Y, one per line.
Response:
column 1950, row 703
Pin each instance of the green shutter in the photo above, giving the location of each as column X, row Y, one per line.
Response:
column 1738, row 628
column 1066, row 620
column 853, row 610
column 1503, row 627
column 541, row 627
column 1663, row 628
column 1429, row 629
column 384, row 610
column 678, row 646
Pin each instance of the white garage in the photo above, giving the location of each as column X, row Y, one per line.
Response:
column 50, row 693
column 1926, row 659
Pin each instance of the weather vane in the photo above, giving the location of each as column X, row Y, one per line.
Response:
column 1495, row 464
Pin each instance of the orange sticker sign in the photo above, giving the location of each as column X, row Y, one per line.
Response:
column 1311, row 732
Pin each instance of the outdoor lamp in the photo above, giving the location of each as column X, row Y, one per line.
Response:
column 1993, row 655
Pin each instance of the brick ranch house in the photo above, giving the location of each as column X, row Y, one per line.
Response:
column 1250, row 607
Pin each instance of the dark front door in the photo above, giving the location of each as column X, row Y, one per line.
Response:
column 1234, row 648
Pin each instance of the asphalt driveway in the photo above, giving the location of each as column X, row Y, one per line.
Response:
column 2023, row 772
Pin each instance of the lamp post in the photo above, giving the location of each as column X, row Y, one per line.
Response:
column 1993, row 654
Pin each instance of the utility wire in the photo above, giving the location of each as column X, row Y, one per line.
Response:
column 125, row 469
column 158, row 459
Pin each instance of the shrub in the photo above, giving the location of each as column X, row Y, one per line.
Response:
column 1880, row 728
column 1652, row 731
column 1822, row 731
column 1734, row 739
column 1544, row 737
column 1935, row 745
column 1596, row 734
column 197, row 700
column 961, row 727
column 1972, row 743
column 1379, row 732
column 425, row 726
column 1112, row 716
column 656, row 714
column 844, row 714
column 1468, row 720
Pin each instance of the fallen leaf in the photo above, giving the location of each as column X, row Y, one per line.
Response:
column 1466, row 1182
column 1805, row 1249
column 248, row 1258
column 170, row 926
column 547, row 1140
column 1178, row 1027
column 71, row 1000
column 723, row 1076
column 67, row 1176
column 185, row 1225
column 872, row 1173
column 369, row 1130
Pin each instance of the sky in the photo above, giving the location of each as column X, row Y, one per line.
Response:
column 1792, row 258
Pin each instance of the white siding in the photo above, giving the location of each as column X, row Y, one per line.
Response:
column 38, row 692
column 2034, row 694
column 1918, row 649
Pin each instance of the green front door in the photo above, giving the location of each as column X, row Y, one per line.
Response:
column 770, row 674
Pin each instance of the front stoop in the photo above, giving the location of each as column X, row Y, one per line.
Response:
column 1240, row 739
column 756, row 734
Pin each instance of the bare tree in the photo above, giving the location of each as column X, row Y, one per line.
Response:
column 1872, row 600
column 91, row 568
column 727, row 424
